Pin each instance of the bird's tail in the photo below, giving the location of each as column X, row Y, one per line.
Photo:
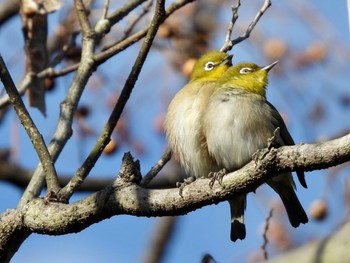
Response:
column 237, row 207
column 284, row 187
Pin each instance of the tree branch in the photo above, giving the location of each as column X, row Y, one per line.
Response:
column 157, row 167
column 116, row 16
column 32, row 131
column 69, row 105
column 231, row 25
column 106, row 54
column 229, row 44
column 127, row 198
column 104, row 138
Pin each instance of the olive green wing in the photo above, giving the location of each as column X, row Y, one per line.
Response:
column 286, row 137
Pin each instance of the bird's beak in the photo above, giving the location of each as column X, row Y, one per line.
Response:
column 268, row 67
column 227, row 60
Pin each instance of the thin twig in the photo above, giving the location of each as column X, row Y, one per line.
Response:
column 69, row 105
column 132, row 24
column 82, row 16
column 231, row 25
column 228, row 45
column 104, row 55
column 118, row 15
column 114, row 49
column 32, row 131
column 83, row 171
column 5, row 100
column 156, row 168
column 105, row 9
column 264, row 245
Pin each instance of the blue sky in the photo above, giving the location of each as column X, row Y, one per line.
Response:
column 295, row 93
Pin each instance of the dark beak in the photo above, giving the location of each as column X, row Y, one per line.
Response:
column 227, row 60
column 268, row 67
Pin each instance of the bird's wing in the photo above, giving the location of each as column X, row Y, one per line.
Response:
column 286, row 137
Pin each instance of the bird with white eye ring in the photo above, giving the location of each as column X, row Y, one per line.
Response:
column 209, row 66
column 245, row 70
column 182, row 120
column 236, row 122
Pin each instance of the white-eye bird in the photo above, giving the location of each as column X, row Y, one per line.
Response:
column 182, row 121
column 236, row 122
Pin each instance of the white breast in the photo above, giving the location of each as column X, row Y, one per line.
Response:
column 235, row 126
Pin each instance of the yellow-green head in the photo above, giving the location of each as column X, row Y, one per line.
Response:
column 211, row 66
column 247, row 76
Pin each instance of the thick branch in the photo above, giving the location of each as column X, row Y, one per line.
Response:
column 127, row 198
column 122, row 197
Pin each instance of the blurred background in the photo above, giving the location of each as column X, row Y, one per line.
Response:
column 309, row 86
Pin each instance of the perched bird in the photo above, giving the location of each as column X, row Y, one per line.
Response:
column 182, row 121
column 236, row 122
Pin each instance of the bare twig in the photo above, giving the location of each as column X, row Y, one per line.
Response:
column 229, row 44
column 82, row 14
column 69, row 106
column 104, row 138
column 116, row 16
column 264, row 245
column 5, row 100
column 105, row 9
column 231, row 25
column 156, row 168
column 132, row 24
column 104, row 55
column 32, row 131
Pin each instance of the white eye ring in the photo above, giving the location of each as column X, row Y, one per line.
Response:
column 209, row 66
column 245, row 70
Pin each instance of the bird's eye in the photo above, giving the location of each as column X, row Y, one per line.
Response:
column 245, row 70
column 209, row 66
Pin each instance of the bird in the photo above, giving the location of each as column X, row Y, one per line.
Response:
column 236, row 122
column 182, row 120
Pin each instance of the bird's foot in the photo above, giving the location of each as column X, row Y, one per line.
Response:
column 187, row 181
column 273, row 141
column 217, row 176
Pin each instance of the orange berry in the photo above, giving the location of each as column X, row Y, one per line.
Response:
column 111, row 147
column 274, row 48
column 319, row 210
column 187, row 67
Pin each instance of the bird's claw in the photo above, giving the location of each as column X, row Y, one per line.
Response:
column 273, row 141
column 217, row 176
column 187, row 181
